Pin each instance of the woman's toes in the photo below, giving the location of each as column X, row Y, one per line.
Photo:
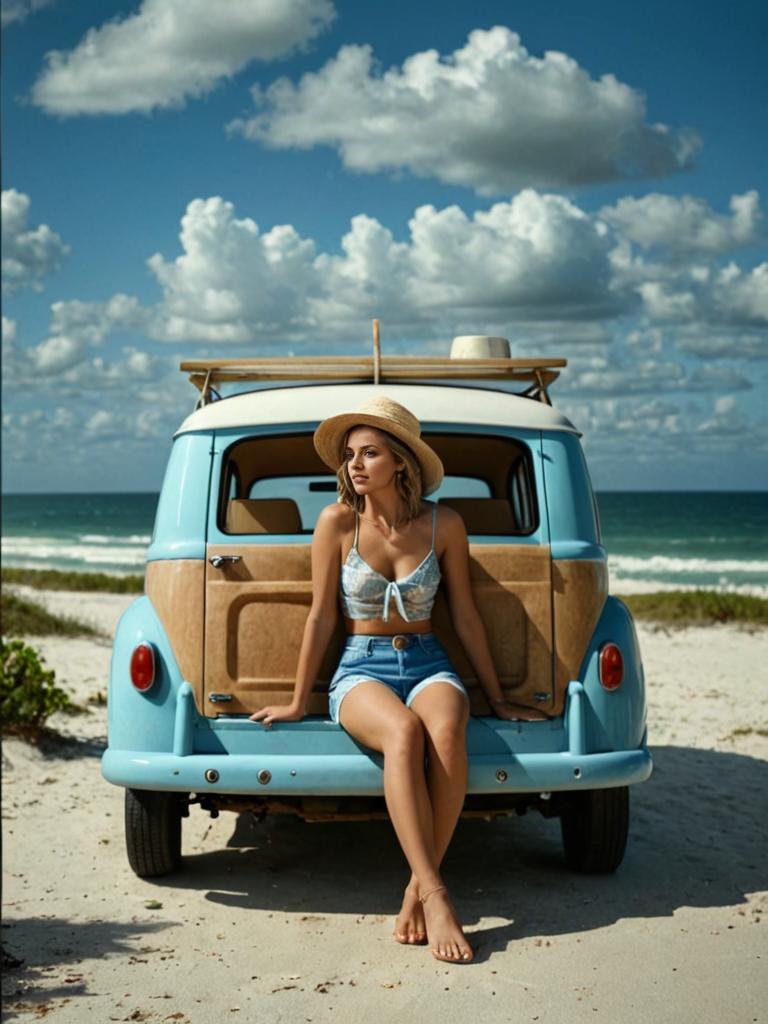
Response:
column 410, row 925
column 449, row 941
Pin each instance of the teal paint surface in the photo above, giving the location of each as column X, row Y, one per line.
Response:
column 180, row 521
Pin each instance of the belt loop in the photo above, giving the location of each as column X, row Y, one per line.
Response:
column 369, row 647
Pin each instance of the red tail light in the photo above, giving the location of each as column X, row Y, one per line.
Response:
column 143, row 666
column 611, row 666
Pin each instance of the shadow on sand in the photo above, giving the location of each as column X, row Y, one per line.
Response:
column 28, row 989
column 697, row 838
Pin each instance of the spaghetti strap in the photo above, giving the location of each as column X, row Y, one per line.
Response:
column 357, row 530
column 434, row 525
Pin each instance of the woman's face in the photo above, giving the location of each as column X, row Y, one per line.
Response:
column 371, row 464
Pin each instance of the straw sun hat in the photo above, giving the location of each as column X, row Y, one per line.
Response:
column 384, row 414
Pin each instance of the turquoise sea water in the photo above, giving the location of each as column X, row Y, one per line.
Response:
column 654, row 539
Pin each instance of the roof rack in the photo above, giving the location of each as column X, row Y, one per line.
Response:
column 539, row 373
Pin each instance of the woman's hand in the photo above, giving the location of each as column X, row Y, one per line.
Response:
column 505, row 709
column 278, row 713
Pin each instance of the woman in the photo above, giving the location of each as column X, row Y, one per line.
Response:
column 381, row 551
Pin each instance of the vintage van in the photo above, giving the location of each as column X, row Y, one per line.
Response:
column 228, row 588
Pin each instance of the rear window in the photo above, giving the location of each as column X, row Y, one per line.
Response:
column 279, row 485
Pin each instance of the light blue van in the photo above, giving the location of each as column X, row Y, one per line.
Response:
column 228, row 587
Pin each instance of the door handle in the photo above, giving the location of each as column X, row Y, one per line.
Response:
column 218, row 560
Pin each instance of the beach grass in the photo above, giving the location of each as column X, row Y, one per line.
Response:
column 56, row 579
column 697, row 608
column 27, row 618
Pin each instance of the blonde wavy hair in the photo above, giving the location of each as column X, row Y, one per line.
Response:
column 407, row 479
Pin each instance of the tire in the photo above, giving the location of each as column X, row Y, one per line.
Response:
column 595, row 824
column 153, row 832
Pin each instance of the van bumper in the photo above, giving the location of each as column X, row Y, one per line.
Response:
column 361, row 774
column 314, row 757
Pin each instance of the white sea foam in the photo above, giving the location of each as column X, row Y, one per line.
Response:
column 57, row 553
column 101, row 538
column 640, row 586
column 665, row 564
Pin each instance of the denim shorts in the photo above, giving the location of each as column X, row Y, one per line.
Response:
column 406, row 672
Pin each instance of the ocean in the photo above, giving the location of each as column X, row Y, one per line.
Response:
column 655, row 540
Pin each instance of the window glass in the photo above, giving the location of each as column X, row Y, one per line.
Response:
column 313, row 493
column 521, row 497
column 309, row 493
column 478, row 467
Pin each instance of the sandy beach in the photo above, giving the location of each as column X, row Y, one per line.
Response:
column 288, row 921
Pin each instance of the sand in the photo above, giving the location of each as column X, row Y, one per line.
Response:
column 287, row 921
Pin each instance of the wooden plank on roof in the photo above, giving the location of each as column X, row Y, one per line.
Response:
column 353, row 367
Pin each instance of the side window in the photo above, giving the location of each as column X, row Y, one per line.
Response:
column 596, row 512
column 521, row 497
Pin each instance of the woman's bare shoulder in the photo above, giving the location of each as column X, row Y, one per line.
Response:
column 450, row 525
column 447, row 516
column 337, row 518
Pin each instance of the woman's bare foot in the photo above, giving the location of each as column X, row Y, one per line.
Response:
column 410, row 926
column 446, row 939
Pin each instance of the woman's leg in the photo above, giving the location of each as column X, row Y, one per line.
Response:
column 444, row 712
column 374, row 716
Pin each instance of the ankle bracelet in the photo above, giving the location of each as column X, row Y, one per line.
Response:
column 425, row 896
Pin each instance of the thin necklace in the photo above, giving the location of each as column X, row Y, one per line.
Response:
column 378, row 525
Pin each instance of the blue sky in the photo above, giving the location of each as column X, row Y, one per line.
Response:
column 251, row 177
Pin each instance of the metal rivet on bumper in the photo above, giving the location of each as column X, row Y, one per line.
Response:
column 264, row 776
column 501, row 775
column 211, row 775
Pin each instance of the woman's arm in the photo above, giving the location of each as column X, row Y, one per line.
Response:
column 323, row 615
column 465, row 616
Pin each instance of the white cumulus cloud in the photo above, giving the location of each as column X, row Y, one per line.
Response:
column 742, row 297
column 231, row 279
column 18, row 10
column 170, row 50
column 9, row 331
column 75, row 329
column 537, row 257
column 726, row 296
column 719, row 342
column 489, row 116
column 28, row 254
column 687, row 225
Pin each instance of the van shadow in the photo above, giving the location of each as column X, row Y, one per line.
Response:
column 698, row 837
column 42, row 943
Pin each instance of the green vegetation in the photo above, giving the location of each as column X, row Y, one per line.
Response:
column 26, row 618
column 55, row 579
column 747, row 730
column 697, row 608
column 28, row 693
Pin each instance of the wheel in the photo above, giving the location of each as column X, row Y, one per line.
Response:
column 595, row 824
column 153, row 832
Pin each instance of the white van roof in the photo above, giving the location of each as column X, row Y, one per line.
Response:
column 431, row 403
